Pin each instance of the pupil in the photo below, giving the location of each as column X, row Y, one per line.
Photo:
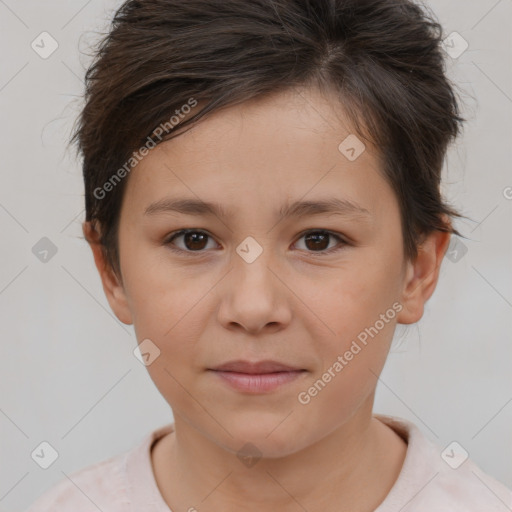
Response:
column 315, row 238
column 194, row 237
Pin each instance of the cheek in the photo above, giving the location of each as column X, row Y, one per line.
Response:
column 172, row 301
column 356, row 296
column 358, row 309
column 353, row 357
column 160, row 293
column 169, row 308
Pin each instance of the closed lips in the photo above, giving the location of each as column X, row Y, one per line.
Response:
column 259, row 367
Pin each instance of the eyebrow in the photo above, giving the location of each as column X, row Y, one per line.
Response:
column 197, row 207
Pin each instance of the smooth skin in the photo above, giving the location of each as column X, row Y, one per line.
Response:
column 206, row 305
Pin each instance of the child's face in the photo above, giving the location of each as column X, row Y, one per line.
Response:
column 292, row 304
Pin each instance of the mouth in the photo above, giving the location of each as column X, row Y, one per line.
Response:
column 257, row 377
column 258, row 367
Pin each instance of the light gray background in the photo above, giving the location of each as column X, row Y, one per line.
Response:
column 68, row 374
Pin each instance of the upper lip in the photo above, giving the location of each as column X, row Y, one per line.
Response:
column 256, row 367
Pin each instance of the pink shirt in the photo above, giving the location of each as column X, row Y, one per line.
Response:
column 426, row 483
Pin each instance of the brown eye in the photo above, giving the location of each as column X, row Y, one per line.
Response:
column 319, row 241
column 193, row 240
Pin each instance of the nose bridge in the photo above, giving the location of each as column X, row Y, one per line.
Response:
column 253, row 296
column 252, row 262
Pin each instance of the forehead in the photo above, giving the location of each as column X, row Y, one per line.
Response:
column 269, row 151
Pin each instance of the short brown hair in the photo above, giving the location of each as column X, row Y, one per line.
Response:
column 383, row 59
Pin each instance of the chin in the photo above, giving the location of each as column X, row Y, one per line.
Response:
column 269, row 438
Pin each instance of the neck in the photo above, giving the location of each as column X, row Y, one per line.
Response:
column 352, row 468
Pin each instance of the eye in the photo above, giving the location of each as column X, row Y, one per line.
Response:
column 317, row 239
column 195, row 240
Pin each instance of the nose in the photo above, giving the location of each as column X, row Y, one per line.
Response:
column 254, row 297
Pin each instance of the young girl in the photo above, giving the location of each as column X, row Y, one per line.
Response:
column 262, row 187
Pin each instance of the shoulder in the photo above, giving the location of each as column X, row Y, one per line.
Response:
column 117, row 484
column 441, row 479
column 468, row 489
column 96, row 487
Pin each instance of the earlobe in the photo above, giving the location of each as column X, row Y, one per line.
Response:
column 422, row 276
column 112, row 286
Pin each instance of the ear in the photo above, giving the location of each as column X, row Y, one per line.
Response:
column 112, row 284
column 421, row 276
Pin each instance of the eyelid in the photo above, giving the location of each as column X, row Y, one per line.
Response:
column 342, row 240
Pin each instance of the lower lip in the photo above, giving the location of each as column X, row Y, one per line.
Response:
column 258, row 383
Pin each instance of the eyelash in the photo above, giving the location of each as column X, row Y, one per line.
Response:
column 176, row 234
